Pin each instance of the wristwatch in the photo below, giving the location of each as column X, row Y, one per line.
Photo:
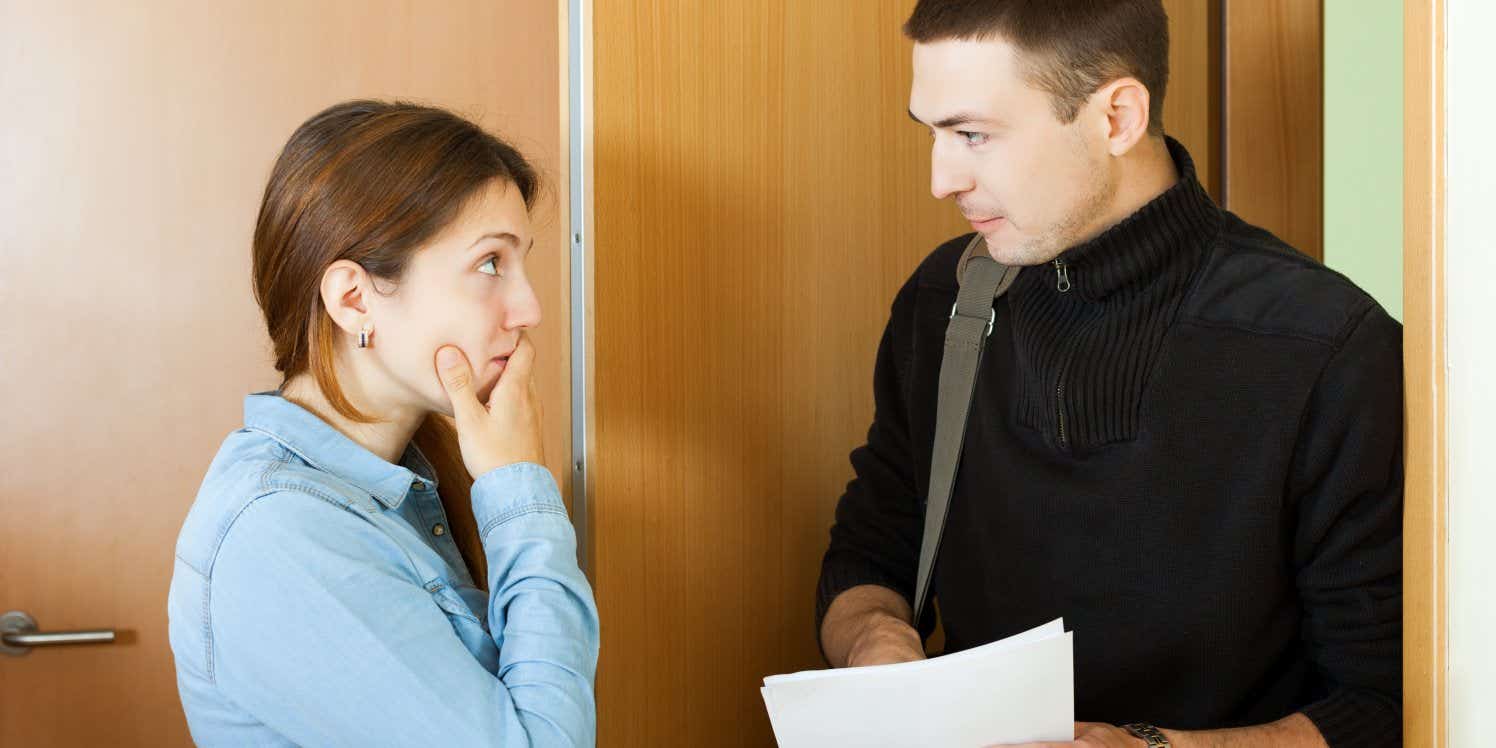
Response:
column 1150, row 734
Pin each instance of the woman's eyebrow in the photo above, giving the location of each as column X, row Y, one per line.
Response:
column 505, row 236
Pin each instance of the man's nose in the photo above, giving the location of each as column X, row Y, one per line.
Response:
column 948, row 175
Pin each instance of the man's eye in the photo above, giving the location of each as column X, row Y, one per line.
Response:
column 490, row 266
column 973, row 138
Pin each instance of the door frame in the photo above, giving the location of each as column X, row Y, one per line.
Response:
column 575, row 202
column 1425, row 524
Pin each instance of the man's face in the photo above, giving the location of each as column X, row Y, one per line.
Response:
column 1028, row 183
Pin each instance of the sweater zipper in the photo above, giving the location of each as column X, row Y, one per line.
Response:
column 1063, row 285
column 1059, row 408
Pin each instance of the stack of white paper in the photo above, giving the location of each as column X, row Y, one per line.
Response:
column 1020, row 689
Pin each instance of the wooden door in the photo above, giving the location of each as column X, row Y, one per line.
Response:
column 136, row 142
column 760, row 196
column 1274, row 118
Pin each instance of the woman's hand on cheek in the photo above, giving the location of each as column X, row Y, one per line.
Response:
column 506, row 429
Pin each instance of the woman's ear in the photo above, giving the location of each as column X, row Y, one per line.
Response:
column 345, row 285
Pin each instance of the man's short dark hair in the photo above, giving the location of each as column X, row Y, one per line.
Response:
column 1068, row 48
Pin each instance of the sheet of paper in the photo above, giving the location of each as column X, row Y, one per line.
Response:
column 1019, row 689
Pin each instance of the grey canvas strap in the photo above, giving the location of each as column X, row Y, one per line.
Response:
column 982, row 281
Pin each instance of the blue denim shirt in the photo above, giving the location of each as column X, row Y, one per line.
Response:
column 318, row 599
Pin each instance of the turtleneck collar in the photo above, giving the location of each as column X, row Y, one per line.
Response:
column 1088, row 327
column 1173, row 228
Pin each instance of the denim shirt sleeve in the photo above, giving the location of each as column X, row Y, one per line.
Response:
column 322, row 633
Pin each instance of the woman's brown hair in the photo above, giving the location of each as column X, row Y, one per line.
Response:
column 371, row 182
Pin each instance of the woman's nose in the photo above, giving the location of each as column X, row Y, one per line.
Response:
column 522, row 308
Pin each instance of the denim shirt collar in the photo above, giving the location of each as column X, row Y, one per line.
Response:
column 325, row 448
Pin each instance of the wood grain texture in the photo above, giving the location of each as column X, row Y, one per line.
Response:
column 761, row 195
column 137, row 142
column 1192, row 105
column 1274, row 121
column 1425, row 523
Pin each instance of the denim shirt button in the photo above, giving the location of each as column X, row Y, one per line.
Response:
column 438, row 530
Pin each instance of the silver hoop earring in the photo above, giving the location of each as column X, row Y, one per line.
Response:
column 363, row 335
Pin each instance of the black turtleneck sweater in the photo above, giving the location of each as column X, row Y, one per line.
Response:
column 1192, row 453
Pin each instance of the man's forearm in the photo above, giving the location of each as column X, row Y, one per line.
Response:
column 869, row 622
column 1293, row 731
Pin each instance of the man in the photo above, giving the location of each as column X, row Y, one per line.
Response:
column 1185, row 437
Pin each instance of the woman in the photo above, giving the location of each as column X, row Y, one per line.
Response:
column 330, row 588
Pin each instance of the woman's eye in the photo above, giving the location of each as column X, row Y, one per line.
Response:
column 490, row 266
column 973, row 138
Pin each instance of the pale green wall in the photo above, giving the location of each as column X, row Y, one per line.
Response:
column 1363, row 145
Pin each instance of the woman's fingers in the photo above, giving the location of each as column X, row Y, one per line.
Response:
column 457, row 379
column 517, row 371
column 506, row 430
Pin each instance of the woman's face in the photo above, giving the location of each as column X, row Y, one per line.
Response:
column 467, row 288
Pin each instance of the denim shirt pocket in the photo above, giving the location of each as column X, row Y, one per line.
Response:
column 465, row 623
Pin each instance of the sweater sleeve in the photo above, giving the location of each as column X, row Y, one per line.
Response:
column 1347, row 485
column 879, row 521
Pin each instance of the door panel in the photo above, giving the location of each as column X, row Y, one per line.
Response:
column 1192, row 101
column 1274, row 98
column 137, row 141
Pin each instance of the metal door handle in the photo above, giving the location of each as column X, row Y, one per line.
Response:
column 18, row 635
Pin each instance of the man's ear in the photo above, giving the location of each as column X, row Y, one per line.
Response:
column 1124, row 104
column 345, row 285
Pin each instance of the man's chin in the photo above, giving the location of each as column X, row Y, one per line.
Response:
column 1018, row 254
column 1012, row 257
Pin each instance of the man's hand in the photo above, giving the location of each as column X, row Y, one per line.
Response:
column 1095, row 735
column 1293, row 731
